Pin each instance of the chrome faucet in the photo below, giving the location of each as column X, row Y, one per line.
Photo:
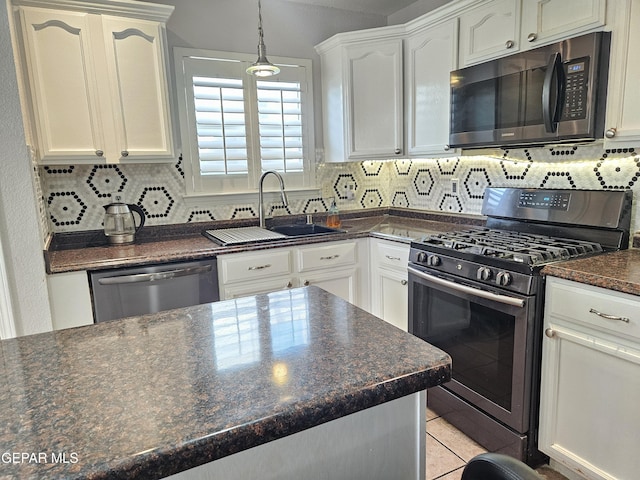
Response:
column 260, row 194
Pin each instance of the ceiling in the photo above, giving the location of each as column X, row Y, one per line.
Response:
column 378, row 7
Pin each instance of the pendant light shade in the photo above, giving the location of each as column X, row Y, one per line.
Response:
column 262, row 67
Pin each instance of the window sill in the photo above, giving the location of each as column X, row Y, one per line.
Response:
column 243, row 198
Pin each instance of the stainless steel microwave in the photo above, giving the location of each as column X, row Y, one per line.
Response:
column 552, row 94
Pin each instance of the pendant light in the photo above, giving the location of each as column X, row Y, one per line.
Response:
column 262, row 67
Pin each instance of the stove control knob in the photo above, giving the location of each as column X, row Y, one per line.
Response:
column 422, row 257
column 503, row 278
column 433, row 260
column 484, row 273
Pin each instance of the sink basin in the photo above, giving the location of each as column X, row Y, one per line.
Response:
column 304, row 229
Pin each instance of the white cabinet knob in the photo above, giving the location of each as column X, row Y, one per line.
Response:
column 124, row 153
column 610, row 133
column 510, row 44
column 398, row 151
column 99, row 153
column 532, row 37
column 550, row 333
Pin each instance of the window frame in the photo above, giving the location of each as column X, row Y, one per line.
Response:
column 198, row 185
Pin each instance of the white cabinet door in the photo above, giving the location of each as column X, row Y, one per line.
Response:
column 251, row 273
column 343, row 282
column 391, row 297
column 98, row 85
column 389, row 289
column 70, row 300
column 135, row 57
column 622, row 127
column 256, row 287
column 489, row 31
column 545, row 21
column 590, row 381
column 332, row 266
column 374, row 100
column 63, row 84
column 430, row 55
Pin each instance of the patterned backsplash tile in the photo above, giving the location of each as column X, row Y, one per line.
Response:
column 73, row 196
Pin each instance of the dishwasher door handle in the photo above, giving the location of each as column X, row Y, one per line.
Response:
column 154, row 277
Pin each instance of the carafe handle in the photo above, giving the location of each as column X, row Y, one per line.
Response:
column 140, row 212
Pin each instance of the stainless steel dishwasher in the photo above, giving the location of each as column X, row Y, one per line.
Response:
column 139, row 290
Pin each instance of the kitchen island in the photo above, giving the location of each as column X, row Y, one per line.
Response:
column 292, row 384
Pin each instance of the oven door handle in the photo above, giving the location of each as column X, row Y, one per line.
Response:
column 516, row 302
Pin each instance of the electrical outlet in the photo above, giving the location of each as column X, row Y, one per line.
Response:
column 455, row 184
column 350, row 191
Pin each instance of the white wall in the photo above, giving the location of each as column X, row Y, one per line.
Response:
column 19, row 225
column 415, row 10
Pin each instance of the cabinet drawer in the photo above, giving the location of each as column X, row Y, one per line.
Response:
column 328, row 255
column 393, row 255
column 580, row 303
column 250, row 266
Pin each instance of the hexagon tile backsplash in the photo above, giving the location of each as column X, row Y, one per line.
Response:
column 74, row 196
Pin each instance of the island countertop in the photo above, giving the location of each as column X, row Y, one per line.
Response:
column 149, row 396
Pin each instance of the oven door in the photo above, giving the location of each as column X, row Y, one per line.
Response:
column 488, row 335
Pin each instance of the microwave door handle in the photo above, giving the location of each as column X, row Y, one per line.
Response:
column 551, row 93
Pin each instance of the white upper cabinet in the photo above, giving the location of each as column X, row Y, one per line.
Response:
column 374, row 94
column 489, row 30
column 545, row 21
column 97, row 83
column 622, row 127
column 430, row 56
column 139, row 90
column 501, row 27
column 362, row 95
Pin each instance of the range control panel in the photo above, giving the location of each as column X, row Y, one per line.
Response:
column 545, row 200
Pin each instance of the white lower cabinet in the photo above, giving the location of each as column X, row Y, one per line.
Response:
column 589, row 416
column 70, row 309
column 389, row 289
column 333, row 266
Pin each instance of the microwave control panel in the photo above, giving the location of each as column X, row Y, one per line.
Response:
column 577, row 78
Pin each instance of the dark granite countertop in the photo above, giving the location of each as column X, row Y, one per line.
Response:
column 150, row 396
column 618, row 271
column 186, row 242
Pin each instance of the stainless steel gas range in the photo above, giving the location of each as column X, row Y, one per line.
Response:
column 478, row 295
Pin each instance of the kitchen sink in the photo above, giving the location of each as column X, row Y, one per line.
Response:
column 304, row 229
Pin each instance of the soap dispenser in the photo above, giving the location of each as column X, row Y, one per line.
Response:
column 333, row 215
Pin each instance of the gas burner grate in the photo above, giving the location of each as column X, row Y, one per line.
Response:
column 518, row 247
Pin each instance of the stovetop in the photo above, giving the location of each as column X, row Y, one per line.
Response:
column 509, row 246
column 525, row 230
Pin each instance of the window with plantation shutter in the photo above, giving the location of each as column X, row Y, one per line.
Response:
column 280, row 126
column 220, row 125
column 235, row 126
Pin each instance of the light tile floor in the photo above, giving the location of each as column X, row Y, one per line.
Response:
column 449, row 450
